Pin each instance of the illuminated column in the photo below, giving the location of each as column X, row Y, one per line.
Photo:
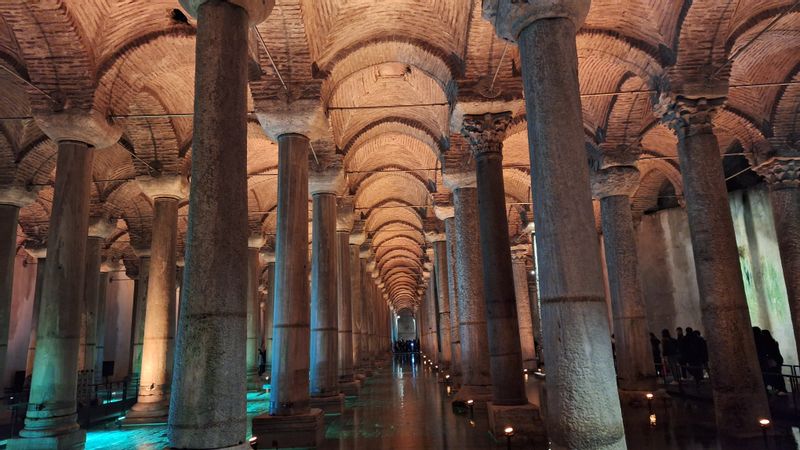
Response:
column 267, row 305
column 614, row 185
column 106, row 271
column 12, row 198
column 139, row 309
column 40, row 253
column 440, row 269
column 152, row 404
column 366, row 279
column 582, row 389
column 324, row 186
column 100, row 229
column 254, row 244
column 737, row 384
column 344, row 225
column 782, row 173
column 51, row 419
column 355, row 241
column 524, row 317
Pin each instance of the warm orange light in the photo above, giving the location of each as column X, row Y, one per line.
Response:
column 509, row 431
column 470, row 402
column 764, row 423
column 652, row 420
column 649, row 396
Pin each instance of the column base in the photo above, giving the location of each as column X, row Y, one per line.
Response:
column 360, row 376
column 332, row 404
column 144, row 413
column 301, row 430
column 525, row 419
column 350, row 388
column 73, row 440
column 480, row 396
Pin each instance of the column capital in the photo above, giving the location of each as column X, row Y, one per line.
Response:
column 444, row 212
column 256, row 241
column 357, row 239
column 89, row 127
column 112, row 264
column 141, row 252
column 519, row 252
column 266, row 257
column 510, row 17
column 370, row 266
column 344, row 214
column 435, row 236
column 300, row 117
column 257, row 10
column 688, row 116
column 615, row 180
column 329, row 180
column 780, row 172
column 19, row 196
column 164, row 186
column 37, row 252
column 365, row 254
column 459, row 180
column 102, row 227
column 486, row 132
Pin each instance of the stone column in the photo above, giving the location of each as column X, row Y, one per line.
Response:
column 291, row 422
column 355, row 241
column 509, row 405
column 363, row 310
column 446, row 214
column 268, row 260
column 12, row 198
column 476, row 378
column 737, row 385
column 152, row 404
column 348, row 385
column 524, row 316
column 581, row 388
column 139, row 310
column 100, row 229
column 40, row 253
column 106, row 268
column 254, row 244
column 440, row 268
column 212, row 324
column 51, row 420
column 536, row 313
column 324, row 186
column 783, row 176
column 614, row 185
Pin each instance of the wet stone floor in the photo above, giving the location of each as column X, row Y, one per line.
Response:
column 404, row 407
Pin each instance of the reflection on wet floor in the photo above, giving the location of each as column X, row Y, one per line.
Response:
column 404, row 407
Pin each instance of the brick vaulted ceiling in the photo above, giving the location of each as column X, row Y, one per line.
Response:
column 390, row 77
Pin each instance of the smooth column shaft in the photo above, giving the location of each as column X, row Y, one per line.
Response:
column 471, row 302
column 324, row 304
column 37, row 301
column 634, row 358
column 100, row 327
column 452, row 289
column 139, row 311
column 582, row 402
column 52, row 402
column 345, row 321
column 737, row 384
column 269, row 311
column 91, row 285
column 443, row 301
column 253, row 307
column 290, row 338
column 785, row 202
column 524, row 317
column 355, row 300
column 212, row 328
column 9, row 215
column 159, row 324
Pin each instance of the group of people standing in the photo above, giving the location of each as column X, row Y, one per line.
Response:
column 770, row 360
column 681, row 356
column 404, row 346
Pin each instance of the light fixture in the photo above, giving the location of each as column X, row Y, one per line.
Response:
column 649, row 396
column 508, row 431
column 652, row 420
column 764, row 423
column 470, row 402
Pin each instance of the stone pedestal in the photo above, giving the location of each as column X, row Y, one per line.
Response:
column 72, row 440
column 524, row 419
column 350, row 388
column 480, row 396
column 299, row 430
column 331, row 404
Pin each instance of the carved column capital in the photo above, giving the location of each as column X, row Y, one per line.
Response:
column 18, row 196
column 164, row 186
column 485, row 132
column 688, row 116
column 257, row 10
column 344, row 214
column 519, row 253
column 615, row 180
column 780, row 172
column 510, row 17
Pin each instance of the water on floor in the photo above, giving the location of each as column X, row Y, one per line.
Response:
column 404, row 407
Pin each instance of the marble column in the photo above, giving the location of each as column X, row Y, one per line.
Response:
column 212, row 325
column 12, row 198
column 100, row 229
column 536, row 312
column 152, row 404
column 476, row 378
column 356, row 239
column 438, row 242
column 581, row 387
column 636, row 376
column 106, row 270
column 363, row 310
column 524, row 316
column 51, row 419
column 446, row 214
column 268, row 260
column 40, row 254
column 782, row 174
column 139, row 310
column 737, row 384
column 324, row 186
column 344, row 224
column 254, row 244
